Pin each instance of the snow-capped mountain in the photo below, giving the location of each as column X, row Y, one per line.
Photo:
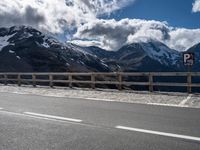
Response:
column 150, row 56
column 160, row 52
column 27, row 49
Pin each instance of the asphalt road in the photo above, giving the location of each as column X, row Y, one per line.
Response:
column 36, row 122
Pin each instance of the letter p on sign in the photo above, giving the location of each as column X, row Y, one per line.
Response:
column 188, row 59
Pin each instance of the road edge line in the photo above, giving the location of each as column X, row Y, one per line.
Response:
column 185, row 137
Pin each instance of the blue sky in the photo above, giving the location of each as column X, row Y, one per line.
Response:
column 178, row 13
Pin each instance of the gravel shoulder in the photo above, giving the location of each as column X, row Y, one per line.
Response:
column 165, row 99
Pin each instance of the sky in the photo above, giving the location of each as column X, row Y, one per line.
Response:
column 109, row 24
column 177, row 13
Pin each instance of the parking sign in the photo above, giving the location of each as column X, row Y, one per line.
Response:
column 188, row 59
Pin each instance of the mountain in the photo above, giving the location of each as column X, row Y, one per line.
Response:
column 99, row 52
column 107, row 56
column 24, row 49
column 150, row 56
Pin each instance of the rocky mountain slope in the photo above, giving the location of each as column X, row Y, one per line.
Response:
column 151, row 56
column 24, row 49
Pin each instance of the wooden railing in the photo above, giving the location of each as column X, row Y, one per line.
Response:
column 93, row 79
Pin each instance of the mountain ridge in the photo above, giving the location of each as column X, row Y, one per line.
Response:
column 26, row 49
column 29, row 50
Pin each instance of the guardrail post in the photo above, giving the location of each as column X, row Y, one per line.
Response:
column 51, row 81
column 120, row 81
column 5, row 79
column 19, row 80
column 70, row 80
column 93, row 81
column 189, row 80
column 34, row 80
column 150, row 82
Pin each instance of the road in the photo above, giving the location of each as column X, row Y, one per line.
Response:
column 37, row 122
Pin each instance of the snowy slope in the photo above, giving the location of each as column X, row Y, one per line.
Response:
column 4, row 41
column 149, row 56
column 160, row 52
column 27, row 49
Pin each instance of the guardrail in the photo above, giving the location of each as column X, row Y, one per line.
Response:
column 114, row 78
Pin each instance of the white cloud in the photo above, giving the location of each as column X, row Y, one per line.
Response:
column 86, row 43
column 182, row 39
column 196, row 6
column 112, row 34
column 100, row 7
column 55, row 15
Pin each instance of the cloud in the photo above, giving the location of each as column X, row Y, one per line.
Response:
column 112, row 34
column 196, row 6
column 55, row 16
column 100, row 7
column 182, row 39
column 46, row 15
column 87, row 43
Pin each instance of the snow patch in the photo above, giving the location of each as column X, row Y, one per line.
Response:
column 77, row 48
column 12, row 52
column 46, row 45
column 160, row 52
column 104, row 64
column 18, row 57
column 4, row 41
column 25, row 35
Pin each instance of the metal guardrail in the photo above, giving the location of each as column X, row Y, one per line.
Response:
column 119, row 76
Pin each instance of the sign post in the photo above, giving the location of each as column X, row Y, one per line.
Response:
column 189, row 60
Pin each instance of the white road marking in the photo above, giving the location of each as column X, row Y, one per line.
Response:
column 183, row 102
column 160, row 133
column 169, row 105
column 48, row 119
column 1, row 108
column 52, row 117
